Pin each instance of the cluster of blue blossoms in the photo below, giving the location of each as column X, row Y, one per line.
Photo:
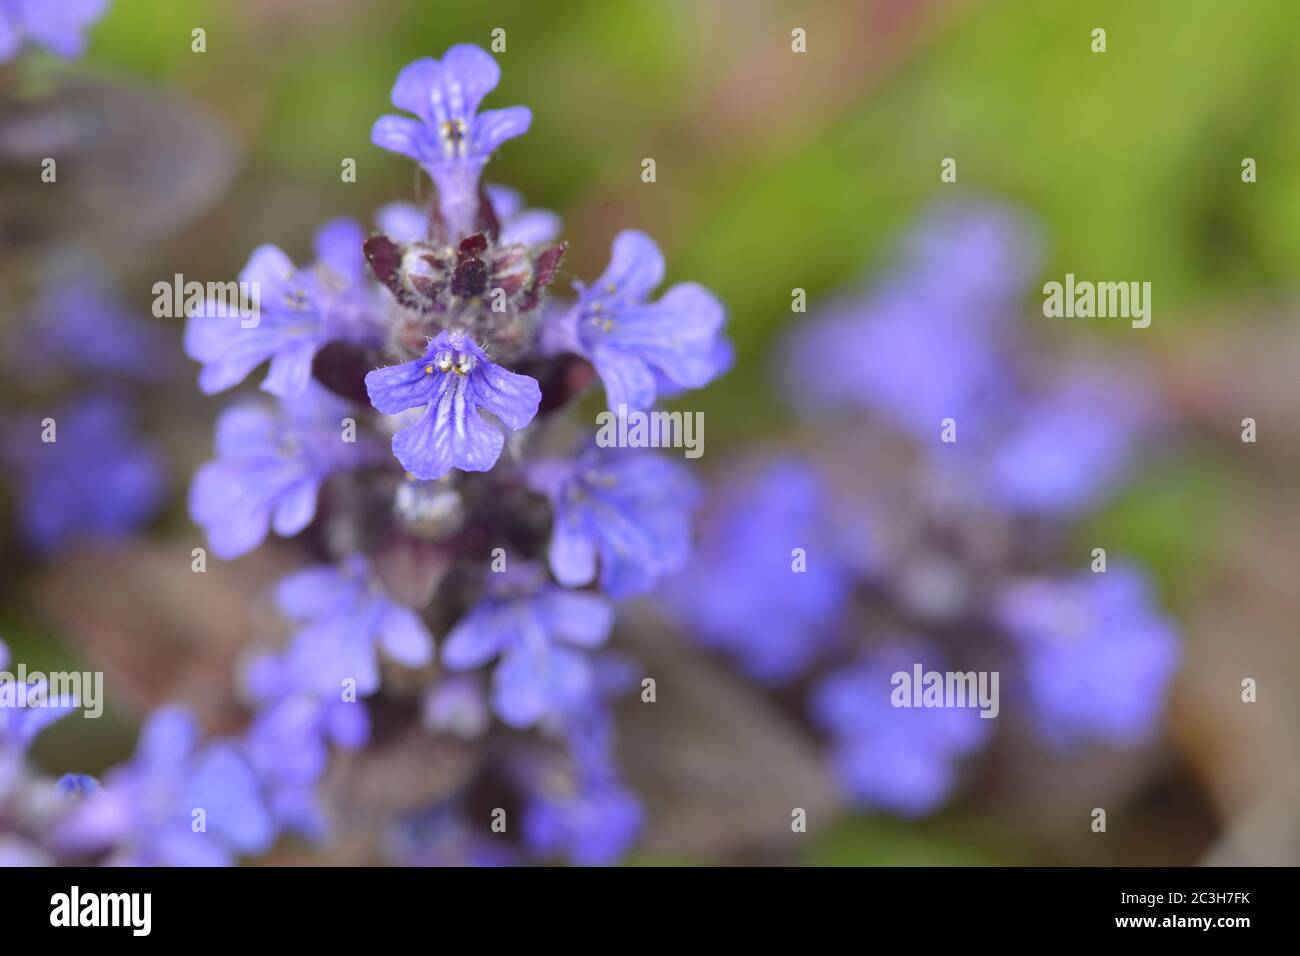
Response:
column 929, row 522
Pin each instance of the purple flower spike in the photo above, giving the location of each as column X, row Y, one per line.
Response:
column 452, row 381
column 346, row 619
column 1099, row 657
column 451, row 139
column 534, row 627
column 297, row 313
column 629, row 510
column 269, row 467
column 635, row 344
column 59, row 27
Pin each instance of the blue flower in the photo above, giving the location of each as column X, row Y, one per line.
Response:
column 76, row 306
column 1069, row 447
column 629, row 511
column 174, row 803
column 288, row 741
column 580, row 809
column 451, row 139
column 899, row 759
column 520, row 226
column 742, row 592
column 344, row 618
column 451, row 382
column 536, row 630
column 592, row 824
column 1098, row 655
column 636, row 345
column 298, row 312
column 269, row 468
column 931, row 341
column 96, row 481
column 59, row 27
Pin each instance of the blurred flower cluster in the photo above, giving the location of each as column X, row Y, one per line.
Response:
column 470, row 544
column 927, row 521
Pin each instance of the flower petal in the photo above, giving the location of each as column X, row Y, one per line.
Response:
column 577, row 617
column 296, row 507
column 636, row 267
column 476, row 639
column 404, row 636
column 397, row 134
column 511, row 397
column 493, row 127
column 396, row 388
column 572, row 552
column 337, row 244
column 628, row 380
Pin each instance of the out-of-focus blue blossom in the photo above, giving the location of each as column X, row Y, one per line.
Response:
column 175, row 803
column 298, row 311
column 635, row 344
column 344, row 619
column 582, row 811
column 1098, row 656
column 269, row 468
column 741, row 593
column 450, row 382
column 1070, row 446
column 900, row 759
column 97, row 480
column 452, row 140
column 539, row 632
column 588, row 822
column 77, row 306
column 520, row 226
column 628, row 511
column 929, row 343
column 59, row 26
column 289, row 739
